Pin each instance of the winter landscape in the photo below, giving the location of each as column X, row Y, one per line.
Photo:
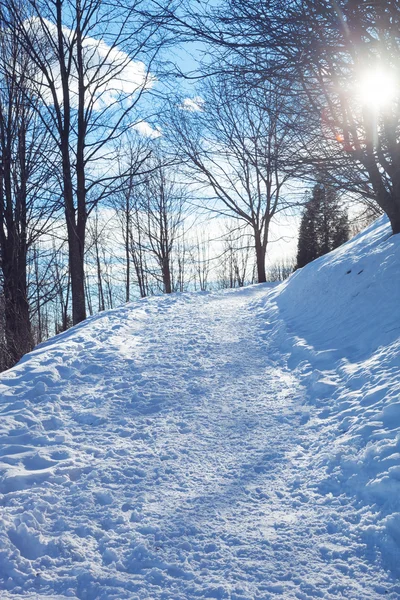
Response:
column 199, row 300
column 239, row 444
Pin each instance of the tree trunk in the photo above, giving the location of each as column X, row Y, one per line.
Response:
column 99, row 274
column 392, row 210
column 88, row 296
column 76, row 220
column 17, row 322
column 260, row 258
column 166, row 274
column 13, row 246
column 127, row 254
column 76, row 240
column 77, row 272
column 388, row 201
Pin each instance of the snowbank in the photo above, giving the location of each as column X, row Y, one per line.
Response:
column 337, row 320
column 238, row 445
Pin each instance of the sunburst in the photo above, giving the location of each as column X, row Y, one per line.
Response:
column 378, row 89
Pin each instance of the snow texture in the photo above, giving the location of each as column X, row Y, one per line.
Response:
column 236, row 445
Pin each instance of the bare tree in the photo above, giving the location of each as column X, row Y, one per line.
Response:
column 96, row 247
column 280, row 270
column 89, row 79
column 62, row 279
column 180, row 255
column 234, row 147
column 201, row 259
column 356, row 125
column 335, row 63
column 363, row 218
column 46, row 274
column 24, row 189
column 138, row 254
column 235, row 266
column 135, row 161
column 162, row 205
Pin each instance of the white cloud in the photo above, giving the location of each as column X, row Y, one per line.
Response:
column 195, row 104
column 110, row 75
column 146, row 130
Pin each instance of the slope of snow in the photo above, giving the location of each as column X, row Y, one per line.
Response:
column 240, row 445
column 342, row 338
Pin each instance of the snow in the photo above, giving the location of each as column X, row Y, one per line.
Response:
column 241, row 445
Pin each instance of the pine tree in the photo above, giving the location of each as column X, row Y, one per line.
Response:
column 324, row 225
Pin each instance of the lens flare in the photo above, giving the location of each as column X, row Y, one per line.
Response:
column 377, row 88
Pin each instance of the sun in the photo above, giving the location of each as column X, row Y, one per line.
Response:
column 377, row 88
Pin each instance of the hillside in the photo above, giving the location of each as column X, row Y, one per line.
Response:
column 241, row 445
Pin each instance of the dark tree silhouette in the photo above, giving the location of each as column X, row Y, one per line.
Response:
column 24, row 207
column 89, row 81
column 317, row 52
column 324, row 225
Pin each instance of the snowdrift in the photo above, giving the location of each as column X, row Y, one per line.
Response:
column 338, row 322
column 240, row 445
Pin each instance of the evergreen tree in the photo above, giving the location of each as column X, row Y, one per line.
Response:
column 324, row 225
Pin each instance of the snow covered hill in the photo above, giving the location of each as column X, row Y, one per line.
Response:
column 240, row 445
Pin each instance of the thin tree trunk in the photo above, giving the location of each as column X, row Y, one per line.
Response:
column 127, row 253
column 99, row 275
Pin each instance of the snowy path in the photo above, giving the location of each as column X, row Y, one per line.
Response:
column 159, row 452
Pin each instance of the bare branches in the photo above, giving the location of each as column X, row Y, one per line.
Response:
column 89, row 80
column 235, row 148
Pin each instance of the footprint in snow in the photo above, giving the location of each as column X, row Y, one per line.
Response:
column 36, row 462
